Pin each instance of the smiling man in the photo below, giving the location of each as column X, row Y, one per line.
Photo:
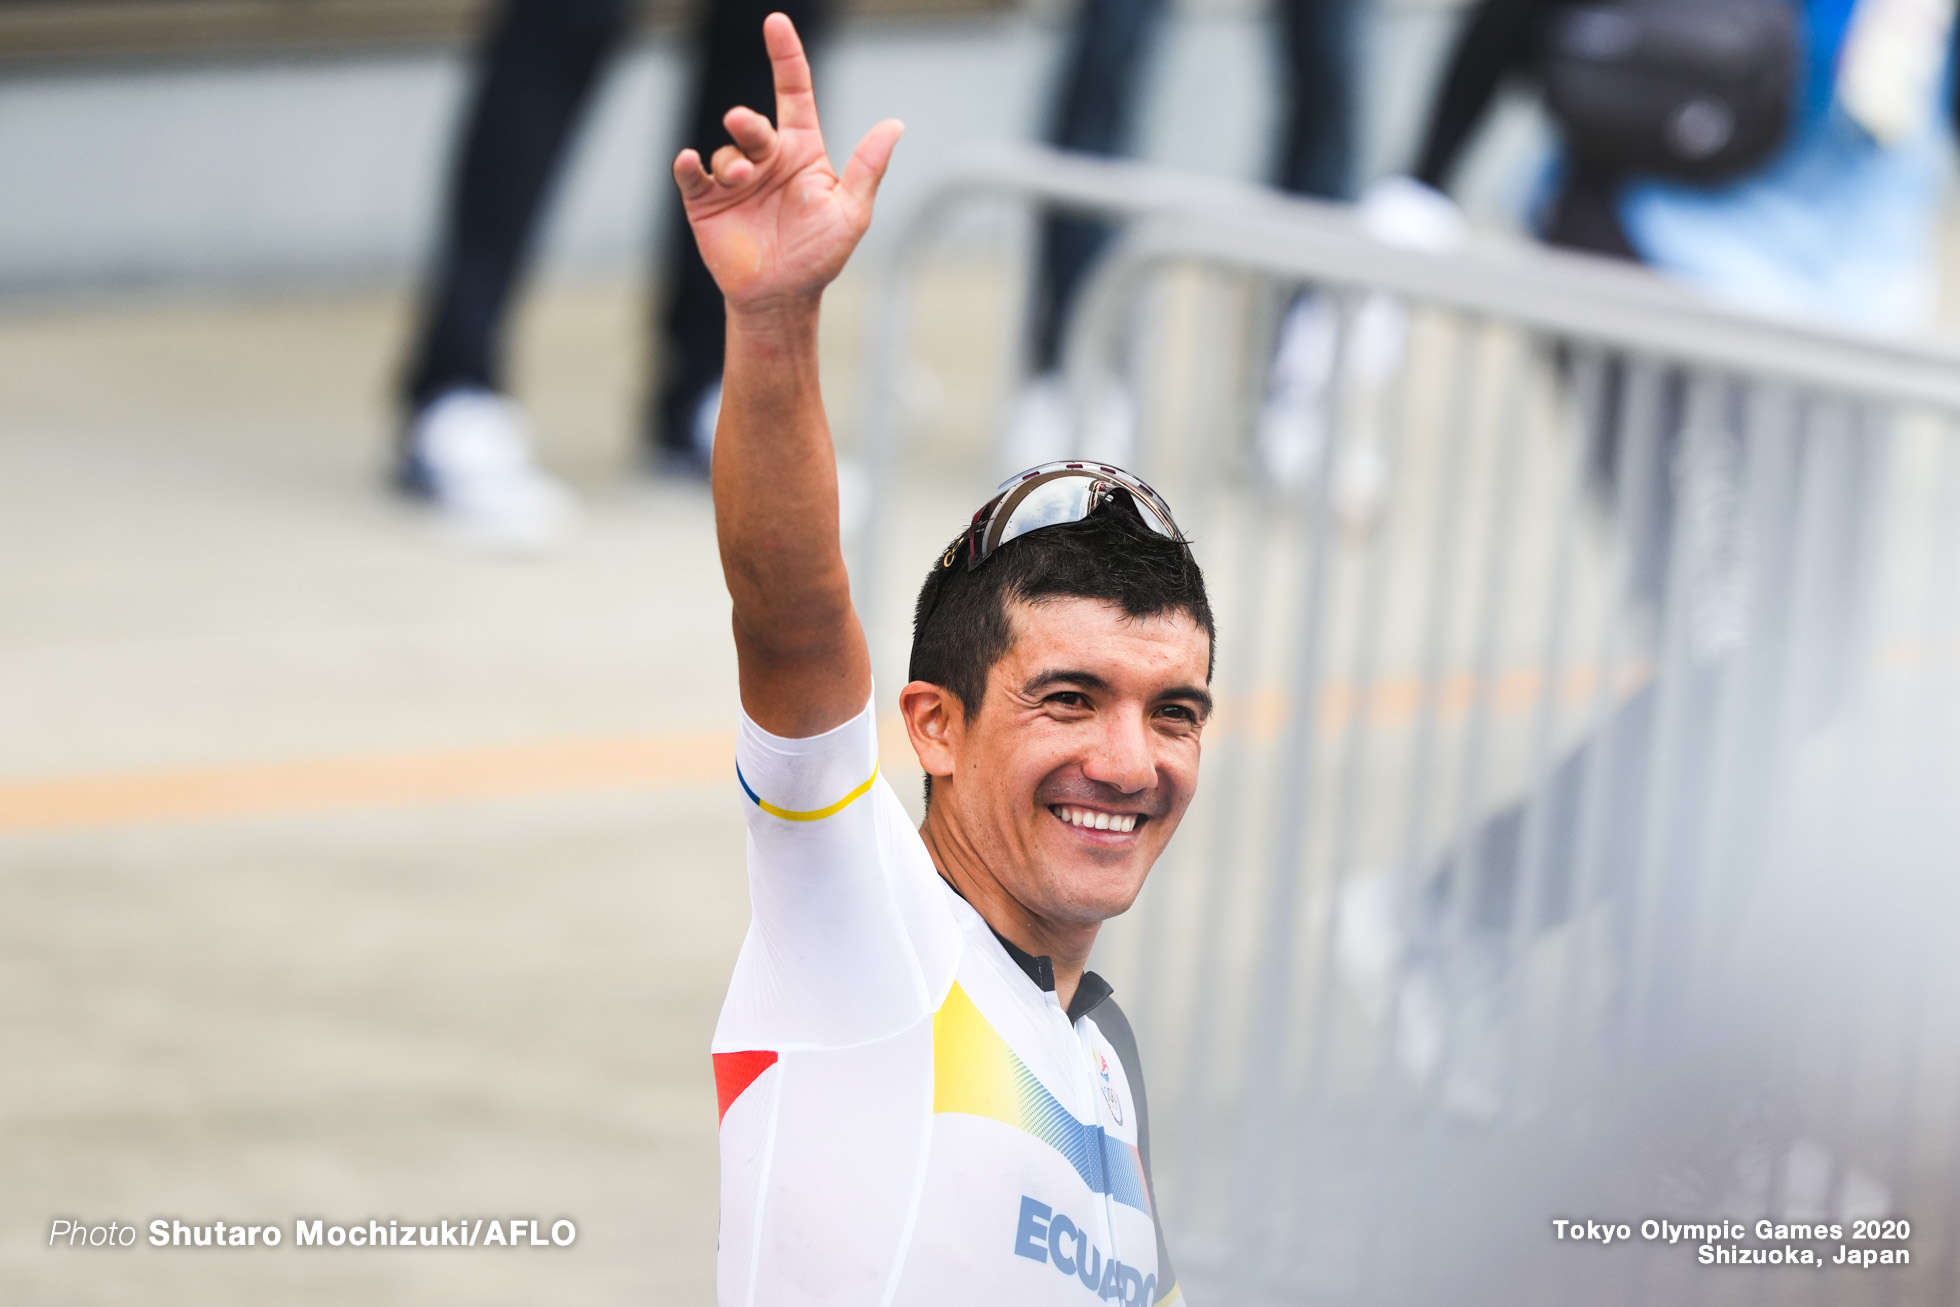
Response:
column 925, row 1097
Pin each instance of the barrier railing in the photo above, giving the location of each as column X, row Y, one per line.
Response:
column 1574, row 842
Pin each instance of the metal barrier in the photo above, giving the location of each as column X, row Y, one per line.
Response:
column 1574, row 842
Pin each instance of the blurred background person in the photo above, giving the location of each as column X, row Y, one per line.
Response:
column 1094, row 111
column 1827, row 210
column 1791, row 162
column 464, row 445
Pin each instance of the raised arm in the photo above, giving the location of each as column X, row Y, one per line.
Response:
column 775, row 225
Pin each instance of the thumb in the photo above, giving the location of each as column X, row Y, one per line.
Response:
column 868, row 162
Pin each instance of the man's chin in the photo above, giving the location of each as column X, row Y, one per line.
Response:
column 1082, row 913
column 1087, row 890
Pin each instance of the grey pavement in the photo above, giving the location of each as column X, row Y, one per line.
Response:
column 467, row 988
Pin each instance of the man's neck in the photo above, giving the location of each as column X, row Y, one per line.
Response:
column 1065, row 946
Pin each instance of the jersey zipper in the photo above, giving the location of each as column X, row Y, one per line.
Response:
column 1085, row 1089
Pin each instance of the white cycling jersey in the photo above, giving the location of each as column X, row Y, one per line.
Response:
column 908, row 1113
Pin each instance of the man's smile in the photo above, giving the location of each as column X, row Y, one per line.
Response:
column 1098, row 819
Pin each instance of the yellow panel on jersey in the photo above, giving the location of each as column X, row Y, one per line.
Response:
column 977, row 1074
column 972, row 1066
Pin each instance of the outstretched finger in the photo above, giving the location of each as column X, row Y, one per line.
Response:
column 796, row 101
column 869, row 161
column 690, row 176
column 753, row 134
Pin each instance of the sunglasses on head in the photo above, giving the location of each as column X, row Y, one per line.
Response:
column 1055, row 494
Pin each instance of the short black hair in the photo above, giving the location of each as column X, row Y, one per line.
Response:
column 961, row 628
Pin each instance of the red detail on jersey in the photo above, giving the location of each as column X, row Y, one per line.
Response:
column 735, row 1072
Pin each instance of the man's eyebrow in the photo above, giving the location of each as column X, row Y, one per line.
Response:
column 1063, row 676
column 1196, row 694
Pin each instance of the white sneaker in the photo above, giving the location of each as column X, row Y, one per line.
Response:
column 1404, row 212
column 469, row 454
column 1292, row 436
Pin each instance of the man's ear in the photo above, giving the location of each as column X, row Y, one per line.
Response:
column 935, row 721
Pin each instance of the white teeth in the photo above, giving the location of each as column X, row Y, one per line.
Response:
column 1087, row 820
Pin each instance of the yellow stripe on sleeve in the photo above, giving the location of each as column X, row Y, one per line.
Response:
column 817, row 814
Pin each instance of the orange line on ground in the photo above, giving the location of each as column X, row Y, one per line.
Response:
column 701, row 757
column 303, row 785
column 615, row 763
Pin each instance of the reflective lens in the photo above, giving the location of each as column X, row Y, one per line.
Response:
column 1056, row 493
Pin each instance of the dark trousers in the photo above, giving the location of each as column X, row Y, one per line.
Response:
column 536, row 72
column 1095, row 113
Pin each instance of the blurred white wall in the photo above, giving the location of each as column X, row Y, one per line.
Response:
column 325, row 168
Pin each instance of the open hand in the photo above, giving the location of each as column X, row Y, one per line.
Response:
column 773, row 220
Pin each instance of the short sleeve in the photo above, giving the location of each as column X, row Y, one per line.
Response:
column 851, row 938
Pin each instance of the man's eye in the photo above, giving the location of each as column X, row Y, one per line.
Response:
column 1069, row 699
column 1180, row 714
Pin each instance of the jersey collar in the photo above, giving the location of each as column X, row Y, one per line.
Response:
column 1090, row 991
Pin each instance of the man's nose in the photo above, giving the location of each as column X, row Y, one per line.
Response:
column 1123, row 758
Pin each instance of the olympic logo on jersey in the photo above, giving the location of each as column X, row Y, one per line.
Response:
column 1109, row 1090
